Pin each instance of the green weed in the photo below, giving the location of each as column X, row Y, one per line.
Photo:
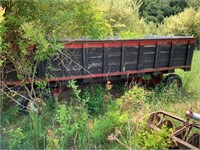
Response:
column 94, row 96
column 155, row 140
column 14, row 138
column 71, row 127
column 106, row 124
column 132, row 99
column 124, row 137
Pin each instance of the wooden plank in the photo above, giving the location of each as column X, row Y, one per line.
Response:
column 105, row 58
column 105, row 61
column 41, row 70
column 171, row 55
column 157, row 52
column 187, row 54
column 85, row 59
column 122, row 61
column 122, row 57
column 140, row 58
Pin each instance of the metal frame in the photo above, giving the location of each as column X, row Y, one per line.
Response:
column 179, row 136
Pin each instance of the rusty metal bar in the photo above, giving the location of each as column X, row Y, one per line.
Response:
column 180, row 135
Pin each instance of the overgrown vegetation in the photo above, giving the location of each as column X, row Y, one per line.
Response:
column 96, row 117
column 121, row 124
column 94, row 97
column 155, row 139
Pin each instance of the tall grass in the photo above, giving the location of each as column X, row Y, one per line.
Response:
column 178, row 101
column 191, row 79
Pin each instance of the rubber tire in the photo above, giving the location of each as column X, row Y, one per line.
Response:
column 171, row 78
column 23, row 106
column 24, row 102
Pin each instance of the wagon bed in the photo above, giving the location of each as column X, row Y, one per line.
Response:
column 89, row 60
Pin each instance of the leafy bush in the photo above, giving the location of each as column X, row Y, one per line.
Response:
column 155, row 140
column 129, row 34
column 14, row 138
column 123, row 17
column 71, row 127
column 117, row 114
column 94, row 96
column 106, row 124
column 71, row 123
column 75, row 91
column 132, row 99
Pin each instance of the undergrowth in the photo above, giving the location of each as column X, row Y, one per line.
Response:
column 94, row 96
column 96, row 119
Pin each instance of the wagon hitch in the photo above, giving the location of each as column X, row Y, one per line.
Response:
column 185, row 135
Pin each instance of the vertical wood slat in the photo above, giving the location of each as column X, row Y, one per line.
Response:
column 187, row 54
column 122, row 57
column 85, row 59
column 105, row 58
column 171, row 54
column 156, row 63
column 122, row 61
column 62, row 57
column 140, row 55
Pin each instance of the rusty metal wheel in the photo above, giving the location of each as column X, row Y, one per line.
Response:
column 166, row 123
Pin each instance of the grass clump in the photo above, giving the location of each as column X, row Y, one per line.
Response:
column 105, row 125
column 94, row 96
column 132, row 99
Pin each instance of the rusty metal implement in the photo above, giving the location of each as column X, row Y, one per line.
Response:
column 186, row 133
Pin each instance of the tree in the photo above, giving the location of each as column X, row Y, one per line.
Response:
column 182, row 24
column 31, row 30
column 157, row 10
column 123, row 16
column 177, row 6
column 194, row 4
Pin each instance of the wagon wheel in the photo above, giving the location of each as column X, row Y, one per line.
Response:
column 173, row 81
column 24, row 104
column 167, row 123
column 154, row 119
